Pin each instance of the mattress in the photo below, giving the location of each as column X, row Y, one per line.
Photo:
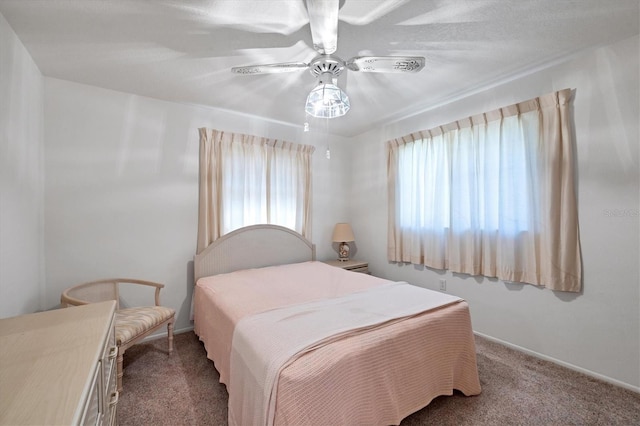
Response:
column 376, row 377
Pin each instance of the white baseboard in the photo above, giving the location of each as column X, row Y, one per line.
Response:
column 163, row 334
column 562, row 363
column 182, row 330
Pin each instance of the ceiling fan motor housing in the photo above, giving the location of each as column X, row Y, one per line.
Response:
column 322, row 65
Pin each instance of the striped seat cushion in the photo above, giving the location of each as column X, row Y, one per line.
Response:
column 132, row 322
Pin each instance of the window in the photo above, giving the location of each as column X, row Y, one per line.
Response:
column 484, row 195
column 457, row 174
column 246, row 180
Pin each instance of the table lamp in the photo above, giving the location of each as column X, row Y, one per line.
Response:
column 343, row 234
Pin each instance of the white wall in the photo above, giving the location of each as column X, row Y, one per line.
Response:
column 21, row 178
column 599, row 329
column 122, row 186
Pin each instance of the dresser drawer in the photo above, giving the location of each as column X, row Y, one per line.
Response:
column 111, row 397
column 109, row 394
column 112, row 405
column 362, row 269
column 91, row 415
column 109, row 358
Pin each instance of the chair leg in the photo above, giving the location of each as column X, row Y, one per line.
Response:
column 120, row 373
column 170, row 336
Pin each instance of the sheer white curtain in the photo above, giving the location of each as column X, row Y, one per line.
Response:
column 247, row 180
column 490, row 195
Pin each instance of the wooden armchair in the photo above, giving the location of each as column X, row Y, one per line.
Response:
column 132, row 324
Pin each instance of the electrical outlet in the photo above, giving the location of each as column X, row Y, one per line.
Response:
column 443, row 285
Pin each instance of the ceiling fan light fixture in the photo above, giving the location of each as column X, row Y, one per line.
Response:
column 327, row 100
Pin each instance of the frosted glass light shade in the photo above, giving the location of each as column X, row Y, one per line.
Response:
column 327, row 100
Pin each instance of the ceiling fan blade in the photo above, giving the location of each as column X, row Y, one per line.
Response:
column 386, row 63
column 323, row 20
column 270, row 68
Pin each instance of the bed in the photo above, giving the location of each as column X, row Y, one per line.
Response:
column 262, row 304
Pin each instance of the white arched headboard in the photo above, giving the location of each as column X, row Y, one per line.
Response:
column 253, row 246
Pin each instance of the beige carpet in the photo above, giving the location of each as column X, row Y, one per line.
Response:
column 517, row 389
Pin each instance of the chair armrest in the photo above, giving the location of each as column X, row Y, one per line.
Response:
column 101, row 290
column 89, row 292
column 66, row 300
column 158, row 286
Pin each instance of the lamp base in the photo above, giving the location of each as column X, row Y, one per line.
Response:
column 343, row 252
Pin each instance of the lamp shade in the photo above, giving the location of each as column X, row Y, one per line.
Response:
column 343, row 233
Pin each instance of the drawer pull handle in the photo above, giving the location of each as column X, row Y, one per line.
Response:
column 114, row 398
column 113, row 352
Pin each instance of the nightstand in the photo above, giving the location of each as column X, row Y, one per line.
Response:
column 350, row 265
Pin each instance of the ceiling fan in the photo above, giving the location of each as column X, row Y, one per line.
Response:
column 327, row 100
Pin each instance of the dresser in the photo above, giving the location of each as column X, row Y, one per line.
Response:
column 350, row 265
column 58, row 367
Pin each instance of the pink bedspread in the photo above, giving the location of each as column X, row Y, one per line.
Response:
column 220, row 301
column 378, row 377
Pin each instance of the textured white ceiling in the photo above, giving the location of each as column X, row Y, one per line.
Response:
column 182, row 50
